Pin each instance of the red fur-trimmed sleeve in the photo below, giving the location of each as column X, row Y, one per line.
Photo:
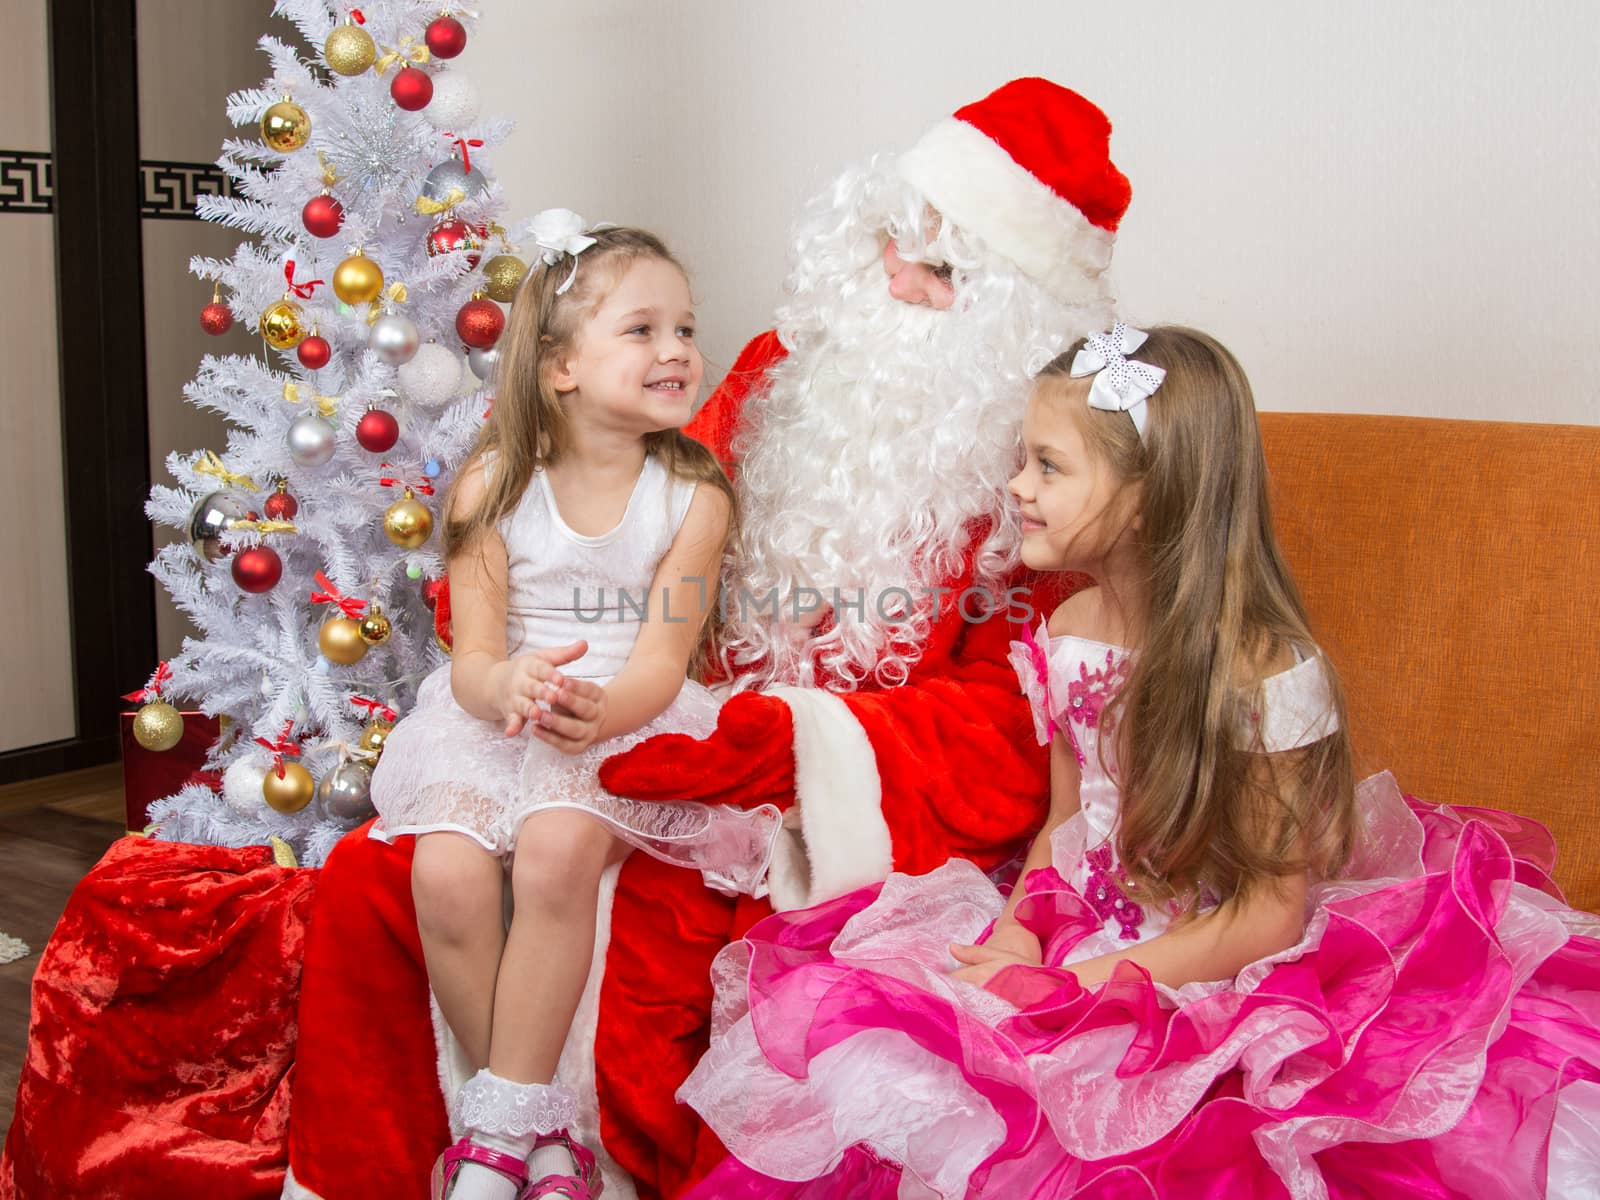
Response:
column 718, row 419
column 906, row 778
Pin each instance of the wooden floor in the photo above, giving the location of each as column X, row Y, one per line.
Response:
column 51, row 832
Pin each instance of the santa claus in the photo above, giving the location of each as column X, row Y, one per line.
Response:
column 867, row 620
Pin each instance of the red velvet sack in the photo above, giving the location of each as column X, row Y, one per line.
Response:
column 163, row 1028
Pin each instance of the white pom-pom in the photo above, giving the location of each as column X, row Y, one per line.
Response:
column 455, row 101
column 241, row 785
column 430, row 379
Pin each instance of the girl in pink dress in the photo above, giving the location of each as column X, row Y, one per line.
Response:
column 1227, row 969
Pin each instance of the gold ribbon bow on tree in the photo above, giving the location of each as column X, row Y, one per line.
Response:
column 209, row 464
column 265, row 526
column 326, row 406
column 394, row 294
column 410, row 51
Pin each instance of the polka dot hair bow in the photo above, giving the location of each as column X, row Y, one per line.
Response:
column 1120, row 385
column 559, row 231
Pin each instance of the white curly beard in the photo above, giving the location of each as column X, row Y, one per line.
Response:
column 881, row 441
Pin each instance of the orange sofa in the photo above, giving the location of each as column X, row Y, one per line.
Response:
column 1450, row 570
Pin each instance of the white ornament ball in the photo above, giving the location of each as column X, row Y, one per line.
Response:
column 241, row 785
column 311, row 440
column 455, row 101
column 482, row 361
column 431, row 377
column 394, row 338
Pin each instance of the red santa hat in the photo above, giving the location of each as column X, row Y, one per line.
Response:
column 1028, row 169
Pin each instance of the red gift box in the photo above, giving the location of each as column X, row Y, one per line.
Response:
column 150, row 775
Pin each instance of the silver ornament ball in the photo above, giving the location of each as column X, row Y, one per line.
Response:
column 482, row 361
column 311, row 441
column 431, row 377
column 450, row 176
column 210, row 517
column 394, row 338
column 345, row 794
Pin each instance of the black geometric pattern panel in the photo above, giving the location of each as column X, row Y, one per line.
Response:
column 168, row 189
column 27, row 182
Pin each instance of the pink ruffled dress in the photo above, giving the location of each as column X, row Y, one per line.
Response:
column 1435, row 1033
column 444, row 769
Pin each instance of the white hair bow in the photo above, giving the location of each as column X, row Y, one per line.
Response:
column 1119, row 385
column 558, row 231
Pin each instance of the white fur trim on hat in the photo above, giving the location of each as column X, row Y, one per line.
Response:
column 842, row 842
column 971, row 180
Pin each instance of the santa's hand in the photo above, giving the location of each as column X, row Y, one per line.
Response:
column 747, row 761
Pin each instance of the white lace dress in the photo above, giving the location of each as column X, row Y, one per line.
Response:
column 444, row 769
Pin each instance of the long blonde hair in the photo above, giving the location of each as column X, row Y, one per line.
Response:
column 1200, row 811
column 528, row 428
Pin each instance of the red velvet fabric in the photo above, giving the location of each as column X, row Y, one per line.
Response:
column 163, row 1029
column 369, row 1118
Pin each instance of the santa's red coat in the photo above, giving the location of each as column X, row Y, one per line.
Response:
column 900, row 778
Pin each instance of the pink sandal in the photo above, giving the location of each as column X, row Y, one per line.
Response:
column 465, row 1151
column 571, row 1187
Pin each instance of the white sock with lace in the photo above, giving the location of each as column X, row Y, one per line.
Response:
column 508, row 1117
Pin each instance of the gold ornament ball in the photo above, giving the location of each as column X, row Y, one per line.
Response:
column 374, row 627
column 349, row 50
column 408, row 522
column 357, row 279
column 291, row 793
column 503, row 274
column 283, row 325
column 285, row 126
column 375, row 734
column 158, row 726
column 340, row 642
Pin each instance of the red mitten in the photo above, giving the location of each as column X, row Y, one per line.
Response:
column 747, row 761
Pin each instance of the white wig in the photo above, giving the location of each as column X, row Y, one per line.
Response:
column 881, row 446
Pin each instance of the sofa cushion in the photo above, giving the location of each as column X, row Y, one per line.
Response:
column 1449, row 568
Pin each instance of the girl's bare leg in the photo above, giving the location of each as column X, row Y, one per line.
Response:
column 555, row 880
column 459, row 889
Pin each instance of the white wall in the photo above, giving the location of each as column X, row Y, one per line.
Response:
column 1385, row 207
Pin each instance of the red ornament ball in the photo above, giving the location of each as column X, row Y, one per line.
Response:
column 479, row 323
column 446, row 37
column 452, row 234
column 216, row 318
column 377, row 431
column 314, row 352
column 280, row 506
column 323, row 215
column 257, row 569
column 412, row 89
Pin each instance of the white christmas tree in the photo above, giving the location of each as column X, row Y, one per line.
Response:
column 306, row 560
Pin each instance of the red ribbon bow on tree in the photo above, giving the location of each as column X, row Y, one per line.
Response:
column 152, row 689
column 355, row 15
column 425, row 486
column 280, row 747
column 348, row 605
column 463, row 143
column 375, row 708
column 303, row 290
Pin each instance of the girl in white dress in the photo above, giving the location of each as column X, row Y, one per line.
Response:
column 584, row 538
